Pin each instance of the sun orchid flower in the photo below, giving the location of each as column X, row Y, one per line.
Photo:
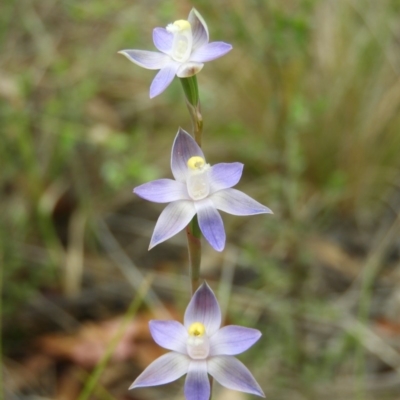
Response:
column 184, row 48
column 199, row 189
column 200, row 347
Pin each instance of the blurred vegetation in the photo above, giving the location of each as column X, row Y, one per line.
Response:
column 308, row 100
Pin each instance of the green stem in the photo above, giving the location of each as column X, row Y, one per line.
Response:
column 191, row 90
column 193, row 232
column 193, row 104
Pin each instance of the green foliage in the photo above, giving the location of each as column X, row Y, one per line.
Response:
column 308, row 100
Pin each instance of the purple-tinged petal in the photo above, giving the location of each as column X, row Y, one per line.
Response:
column 235, row 202
column 204, row 308
column 199, row 29
column 164, row 77
column 231, row 340
column 162, row 191
column 146, row 59
column 210, row 223
column 165, row 369
column 172, row 220
column 171, row 335
column 231, row 373
column 224, row 175
column 189, row 69
column 184, row 147
column 210, row 51
column 197, row 384
column 163, row 39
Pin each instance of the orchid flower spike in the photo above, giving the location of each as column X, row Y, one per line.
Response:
column 199, row 189
column 200, row 347
column 184, row 48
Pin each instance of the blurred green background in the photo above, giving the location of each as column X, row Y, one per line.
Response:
column 308, row 100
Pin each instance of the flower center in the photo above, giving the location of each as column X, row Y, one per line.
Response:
column 183, row 40
column 197, row 329
column 197, row 182
column 198, row 344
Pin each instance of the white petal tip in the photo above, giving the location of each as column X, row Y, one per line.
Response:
column 125, row 54
column 152, row 244
column 265, row 210
column 216, row 246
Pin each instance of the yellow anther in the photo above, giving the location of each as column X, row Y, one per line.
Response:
column 197, row 329
column 196, row 162
column 182, row 24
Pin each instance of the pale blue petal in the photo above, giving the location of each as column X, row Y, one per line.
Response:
column 231, row 373
column 184, row 147
column 197, row 384
column 162, row 191
column 172, row 220
column 210, row 223
column 163, row 39
column 171, row 335
column 164, row 77
column 199, row 29
column 210, row 51
column 231, row 340
column 235, row 202
column 165, row 369
column 147, row 59
column 189, row 69
column 204, row 308
column 224, row 175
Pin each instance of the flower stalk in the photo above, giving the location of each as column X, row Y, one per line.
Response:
column 193, row 235
column 192, row 98
column 200, row 348
column 193, row 232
